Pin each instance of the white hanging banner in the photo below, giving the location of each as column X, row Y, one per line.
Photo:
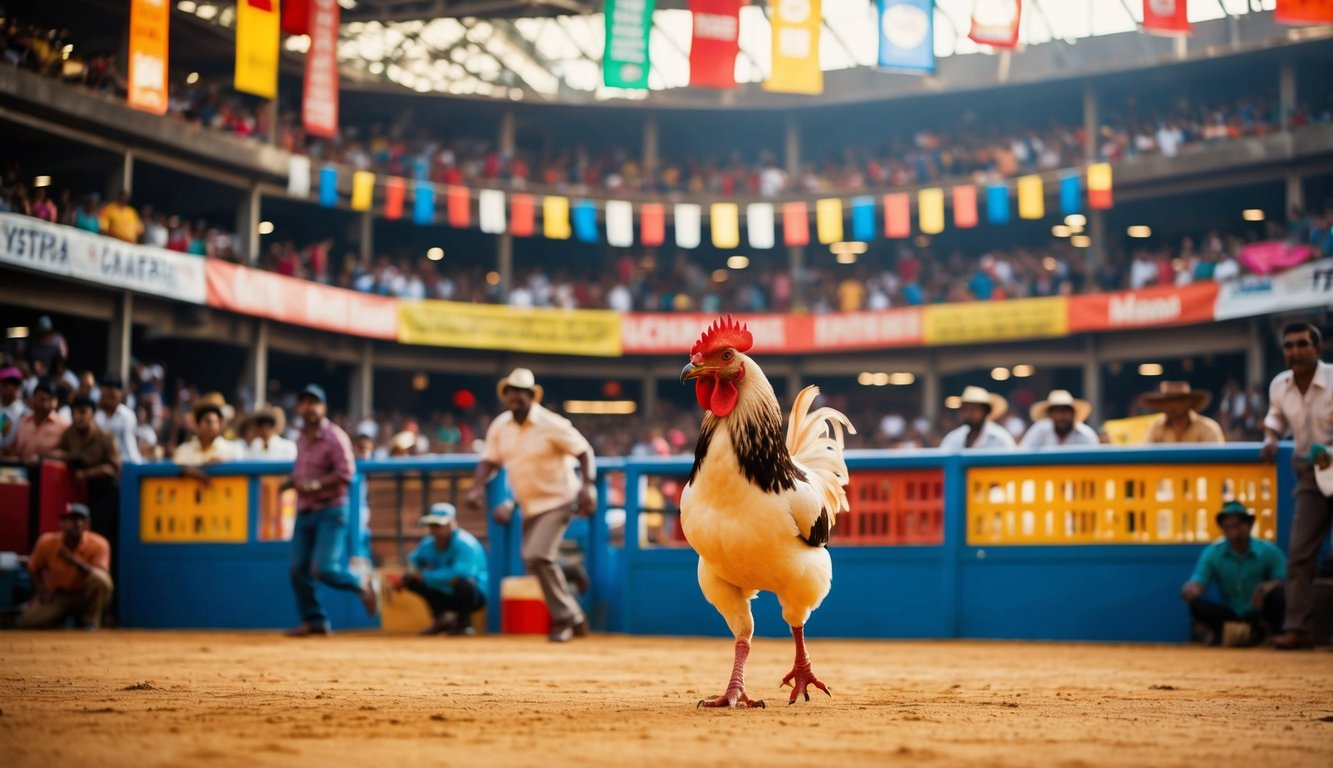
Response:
column 491, row 211
column 619, row 223
column 298, row 175
column 688, row 221
column 759, row 225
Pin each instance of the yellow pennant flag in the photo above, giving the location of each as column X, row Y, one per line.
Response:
column 930, row 210
column 363, row 190
column 1031, row 198
column 257, row 47
column 725, row 224
column 555, row 218
column 828, row 220
column 796, row 27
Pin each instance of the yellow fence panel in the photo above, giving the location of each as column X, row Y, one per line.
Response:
column 177, row 510
column 1129, row 504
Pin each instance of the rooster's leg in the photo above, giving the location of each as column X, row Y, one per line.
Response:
column 800, row 677
column 735, row 695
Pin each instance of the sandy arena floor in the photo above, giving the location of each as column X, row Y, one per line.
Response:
column 214, row 699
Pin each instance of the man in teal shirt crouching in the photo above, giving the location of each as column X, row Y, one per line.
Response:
column 1248, row 572
column 448, row 570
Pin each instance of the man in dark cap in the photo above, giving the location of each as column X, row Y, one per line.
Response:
column 70, row 575
column 39, row 431
column 1248, row 572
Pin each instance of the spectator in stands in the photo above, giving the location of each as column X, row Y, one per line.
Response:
column 268, row 442
column 43, row 208
column 448, row 570
column 208, row 446
column 116, row 419
column 70, row 574
column 980, row 410
column 49, row 345
column 93, row 456
column 323, row 472
column 120, row 220
column 87, row 217
column 1300, row 403
column 12, row 406
column 1248, row 572
column 39, row 430
column 1060, row 420
column 538, row 448
column 1181, row 421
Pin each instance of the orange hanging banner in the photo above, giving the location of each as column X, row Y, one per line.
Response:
column 965, row 206
column 1304, row 12
column 522, row 215
column 394, row 190
column 795, row 224
column 652, row 224
column 149, row 25
column 460, row 207
column 897, row 215
column 1099, row 186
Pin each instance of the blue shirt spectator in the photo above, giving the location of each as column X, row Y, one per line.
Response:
column 462, row 557
column 1237, row 575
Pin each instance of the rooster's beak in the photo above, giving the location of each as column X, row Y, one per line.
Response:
column 690, row 371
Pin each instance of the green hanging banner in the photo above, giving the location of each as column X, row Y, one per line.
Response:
column 625, row 63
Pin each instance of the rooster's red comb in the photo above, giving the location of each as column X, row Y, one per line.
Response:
column 724, row 332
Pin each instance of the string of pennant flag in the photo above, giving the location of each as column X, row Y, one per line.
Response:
column 562, row 218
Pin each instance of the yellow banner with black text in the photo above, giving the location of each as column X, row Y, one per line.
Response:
column 595, row 333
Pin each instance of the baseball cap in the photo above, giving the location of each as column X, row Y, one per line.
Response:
column 111, row 380
column 75, row 509
column 315, row 391
column 82, row 401
column 11, row 373
column 440, row 513
column 45, row 385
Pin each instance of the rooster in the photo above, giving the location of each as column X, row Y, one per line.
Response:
column 756, row 509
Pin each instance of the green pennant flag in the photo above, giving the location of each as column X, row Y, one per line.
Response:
column 625, row 63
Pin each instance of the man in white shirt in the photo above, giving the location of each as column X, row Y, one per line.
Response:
column 116, row 419
column 1300, row 403
column 208, row 446
column 980, row 410
column 12, row 407
column 1058, row 421
column 269, row 444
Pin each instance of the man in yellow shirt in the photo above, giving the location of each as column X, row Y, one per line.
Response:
column 120, row 220
column 1181, row 421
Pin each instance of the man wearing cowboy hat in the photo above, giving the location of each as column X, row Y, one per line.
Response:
column 1181, row 421
column 70, row 574
column 268, row 443
column 448, row 570
column 1058, row 421
column 208, row 446
column 1248, row 573
column 980, row 410
column 539, row 450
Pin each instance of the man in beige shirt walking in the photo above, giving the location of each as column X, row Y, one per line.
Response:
column 539, row 450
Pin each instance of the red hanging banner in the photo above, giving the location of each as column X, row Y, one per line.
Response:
column 897, row 215
column 965, row 206
column 296, row 17
column 1304, row 12
column 1166, row 17
column 460, row 207
column 522, row 215
column 795, row 224
column 652, row 224
column 995, row 22
column 394, row 192
column 715, row 43
column 319, row 108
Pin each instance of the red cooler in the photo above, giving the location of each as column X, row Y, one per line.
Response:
column 522, row 607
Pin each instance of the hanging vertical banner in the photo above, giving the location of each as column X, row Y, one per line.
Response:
column 965, row 206
column 652, row 224
column 796, row 27
column 907, row 35
column 394, row 192
column 363, row 190
column 522, row 215
column 997, row 204
column 995, row 22
column 930, row 210
column 298, row 175
column 1031, row 197
column 1071, row 194
column 828, row 220
column 319, row 108
column 585, row 221
column 795, row 224
column 555, row 218
column 257, row 47
column 459, row 203
column 897, row 215
column 759, row 225
column 423, row 203
column 1166, row 17
column 296, row 17
column 619, row 223
column 328, row 186
column 149, row 34
column 724, row 223
column 714, row 43
column 491, row 211
column 1099, row 186
column 625, row 61
column 863, row 218
column 688, row 225
column 1304, row 12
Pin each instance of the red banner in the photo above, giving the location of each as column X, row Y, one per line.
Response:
column 715, row 43
column 995, row 22
column 670, row 333
column 394, row 191
column 897, row 215
column 1304, row 12
column 795, row 224
column 296, row 16
column 965, row 206
column 1166, row 17
column 1150, row 307
column 300, row 302
column 460, row 207
column 652, row 224
column 319, row 108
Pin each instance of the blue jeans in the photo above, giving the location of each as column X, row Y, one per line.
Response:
column 318, row 544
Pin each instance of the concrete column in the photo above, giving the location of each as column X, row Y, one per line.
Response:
column 1097, row 233
column 1092, row 379
column 650, row 144
column 792, row 146
column 247, row 225
column 1288, row 99
column 256, row 366
column 1091, row 120
column 1182, row 46
column 931, row 399
column 366, row 236
column 118, row 341
column 274, row 130
column 1254, row 354
column 1295, row 193
column 796, row 268
column 504, row 261
column 649, row 398
column 362, row 401
column 122, row 178
column 506, row 141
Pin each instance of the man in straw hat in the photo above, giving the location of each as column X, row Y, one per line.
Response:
column 539, row 450
column 980, row 410
column 1181, row 421
column 268, row 442
column 1248, row 573
column 208, row 446
column 1059, row 420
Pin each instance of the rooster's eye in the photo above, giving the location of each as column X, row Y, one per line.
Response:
column 726, row 355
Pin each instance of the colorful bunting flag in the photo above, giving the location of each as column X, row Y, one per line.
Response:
column 298, row 175
column 363, row 190
column 759, row 225
column 257, row 47
column 149, row 24
column 1166, row 17
column 725, row 225
column 995, row 22
column 619, row 223
column 828, row 220
column 319, row 106
column 652, row 224
column 1031, row 197
column 997, row 203
column 930, row 210
column 393, row 198
column 522, row 215
column 555, row 217
column 491, row 211
column 863, row 218
column 328, row 186
column 1304, row 12
column 715, row 43
column 1071, row 194
column 689, row 223
column 585, row 222
column 625, row 61
column 965, row 206
column 459, row 204
column 796, row 26
column 795, row 224
column 907, row 35
column 1099, row 186
column 897, row 215
column 423, row 203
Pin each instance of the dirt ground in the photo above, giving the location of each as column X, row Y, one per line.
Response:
column 250, row 699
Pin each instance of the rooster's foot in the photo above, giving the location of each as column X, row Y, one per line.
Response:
column 733, row 698
column 800, row 678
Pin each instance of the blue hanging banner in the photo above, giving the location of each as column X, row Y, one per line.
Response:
column 328, row 186
column 1071, row 193
column 423, row 203
column 997, row 204
column 863, row 218
column 907, row 35
column 584, row 215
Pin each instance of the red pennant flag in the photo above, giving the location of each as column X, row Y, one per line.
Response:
column 1166, row 17
column 319, row 107
column 394, row 189
column 1304, row 12
column 460, row 207
column 295, row 17
column 897, row 215
column 652, row 224
column 965, row 206
column 522, row 215
column 795, row 224
column 715, row 43
column 995, row 22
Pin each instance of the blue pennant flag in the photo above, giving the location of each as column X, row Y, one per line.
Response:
column 863, row 218
column 1071, row 193
column 423, row 203
column 328, row 186
column 907, row 35
column 584, row 216
column 997, row 204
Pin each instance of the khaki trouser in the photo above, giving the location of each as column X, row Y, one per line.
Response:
column 1309, row 529
column 85, row 605
column 542, row 535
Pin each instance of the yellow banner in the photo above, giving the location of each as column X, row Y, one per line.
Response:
column 588, row 332
column 149, row 20
column 930, row 210
column 1099, row 177
column 828, row 220
column 363, row 190
column 1031, row 198
column 257, row 47
column 1131, row 430
column 555, row 218
column 725, row 225
column 995, row 320
column 796, row 27
column 177, row 510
